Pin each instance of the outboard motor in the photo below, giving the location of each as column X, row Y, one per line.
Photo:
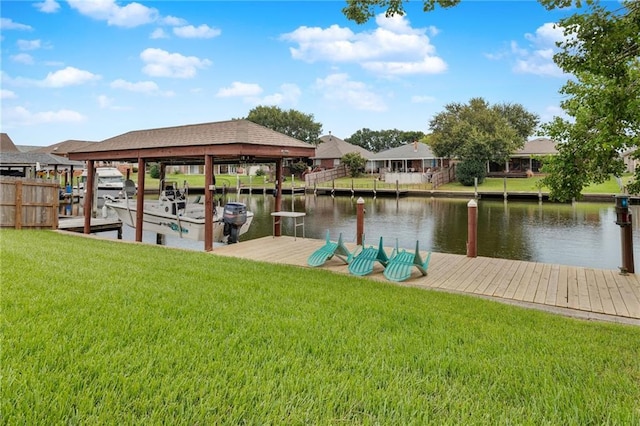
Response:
column 235, row 215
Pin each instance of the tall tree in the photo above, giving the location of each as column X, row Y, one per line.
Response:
column 480, row 132
column 381, row 140
column 602, row 51
column 291, row 122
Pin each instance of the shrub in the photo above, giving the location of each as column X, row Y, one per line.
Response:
column 298, row 168
column 354, row 162
column 154, row 171
column 467, row 170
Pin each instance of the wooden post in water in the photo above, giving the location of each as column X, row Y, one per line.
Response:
column 472, row 229
column 360, row 221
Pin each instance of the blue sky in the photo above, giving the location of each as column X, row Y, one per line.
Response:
column 90, row 70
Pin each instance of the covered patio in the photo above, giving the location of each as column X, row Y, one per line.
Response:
column 224, row 142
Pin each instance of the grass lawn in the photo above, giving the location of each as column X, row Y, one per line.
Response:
column 368, row 182
column 104, row 332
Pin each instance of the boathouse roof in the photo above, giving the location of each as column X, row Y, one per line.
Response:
column 227, row 141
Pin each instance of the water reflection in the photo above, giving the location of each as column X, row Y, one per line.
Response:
column 582, row 234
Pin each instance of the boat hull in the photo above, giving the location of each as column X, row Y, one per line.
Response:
column 160, row 219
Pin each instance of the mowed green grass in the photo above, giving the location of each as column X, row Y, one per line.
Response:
column 105, row 332
column 368, row 182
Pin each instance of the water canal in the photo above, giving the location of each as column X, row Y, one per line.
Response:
column 579, row 234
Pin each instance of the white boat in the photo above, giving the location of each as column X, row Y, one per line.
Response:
column 109, row 183
column 173, row 214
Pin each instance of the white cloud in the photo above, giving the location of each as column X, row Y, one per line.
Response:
column 7, row 94
column 146, row 87
column 23, row 58
column 69, row 76
column 394, row 47
column 106, row 102
column 139, row 87
column 173, row 21
column 20, row 116
column 553, row 111
column 429, row 65
column 289, row 95
column 203, row 31
column 158, row 33
column 238, row 88
column 339, row 88
column 160, row 63
column 47, row 6
column 131, row 15
column 8, row 24
column 422, row 99
column 29, row 44
column 537, row 58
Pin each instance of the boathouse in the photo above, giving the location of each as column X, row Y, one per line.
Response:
column 208, row 144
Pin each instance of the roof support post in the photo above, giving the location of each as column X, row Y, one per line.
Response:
column 208, row 202
column 140, row 198
column 88, row 198
column 277, row 231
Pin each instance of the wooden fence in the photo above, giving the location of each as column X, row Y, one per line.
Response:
column 443, row 176
column 28, row 203
column 325, row 175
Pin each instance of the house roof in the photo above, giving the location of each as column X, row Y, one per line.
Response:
column 63, row 148
column 226, row 141
column 6, row 144
column 410, row 151
column 539, row 146
column 31, row 159
column 333, row 147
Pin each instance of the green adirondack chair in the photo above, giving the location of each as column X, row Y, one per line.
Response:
column 362, row 263
column 401, row 265
column 328, row 250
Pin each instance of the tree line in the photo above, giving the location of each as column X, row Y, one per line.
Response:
column 601, row 53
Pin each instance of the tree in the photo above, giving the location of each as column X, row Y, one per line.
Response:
column 480, row 132
column 354, row 162
column 380, row 140
column 602, row 51
column 360, row 11
column 292, row 123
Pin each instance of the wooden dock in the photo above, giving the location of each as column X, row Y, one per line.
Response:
column 588, row 293
column 76, row 224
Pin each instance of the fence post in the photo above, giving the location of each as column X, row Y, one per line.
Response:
column 18, row 219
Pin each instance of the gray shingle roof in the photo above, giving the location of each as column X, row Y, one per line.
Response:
column 29, row 159
column 540, row 146
column 410, row 151
column 334, row 147
column 62, row 148
column 6, row 144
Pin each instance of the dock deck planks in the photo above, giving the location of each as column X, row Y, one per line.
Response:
column 560, row 288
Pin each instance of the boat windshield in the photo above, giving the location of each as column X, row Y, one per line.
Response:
column 110, row 179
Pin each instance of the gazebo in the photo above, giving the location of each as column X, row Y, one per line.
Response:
column 233, row 141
